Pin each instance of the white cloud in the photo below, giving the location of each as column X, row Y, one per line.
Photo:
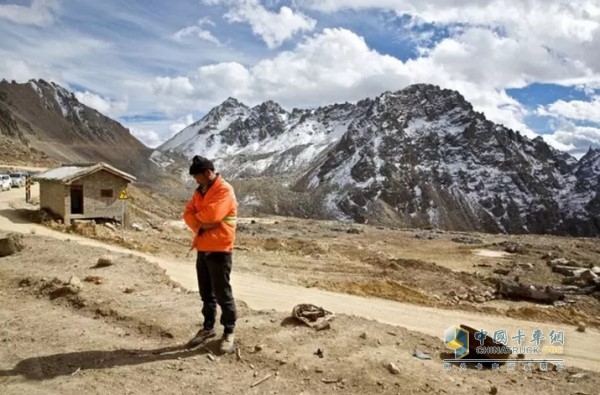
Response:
column 274, row 28
column 568, row 29
column 20, row 70
column 105, row 106
column 575, row 109
column 178, row 86
column 149, row 137
column 490, row 59
column 337, row 65
column 198, row 31
column 574, row 139
column 181, row 124
column 228, row 78
column 38, row 13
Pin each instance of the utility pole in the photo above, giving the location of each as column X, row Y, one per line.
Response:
column 27, row 189
column 123, row 197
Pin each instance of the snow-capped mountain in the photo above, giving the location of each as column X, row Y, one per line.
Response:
column 418, row 157
column 264, row 140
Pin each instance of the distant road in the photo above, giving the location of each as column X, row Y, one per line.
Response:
column 581, row 349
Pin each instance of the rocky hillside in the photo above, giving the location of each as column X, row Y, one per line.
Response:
column 417, row 157
column 46, row 121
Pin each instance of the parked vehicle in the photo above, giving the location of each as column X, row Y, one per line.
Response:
column 18, row 179
column 5, row 182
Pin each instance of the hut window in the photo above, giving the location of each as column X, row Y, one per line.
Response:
column 106, row 193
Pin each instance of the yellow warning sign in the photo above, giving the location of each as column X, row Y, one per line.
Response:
column 123, row 195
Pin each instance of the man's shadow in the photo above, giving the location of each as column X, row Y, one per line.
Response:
column 51, row 366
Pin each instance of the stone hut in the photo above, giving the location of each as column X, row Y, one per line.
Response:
column 83, row 191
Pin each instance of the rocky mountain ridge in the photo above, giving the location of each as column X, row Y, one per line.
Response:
column 41, row 117
column 417, row 157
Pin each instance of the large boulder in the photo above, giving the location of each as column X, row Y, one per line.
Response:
column 11, row 244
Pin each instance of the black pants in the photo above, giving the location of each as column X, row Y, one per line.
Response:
column 213, row 270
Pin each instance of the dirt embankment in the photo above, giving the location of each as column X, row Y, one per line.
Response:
column 69, row 324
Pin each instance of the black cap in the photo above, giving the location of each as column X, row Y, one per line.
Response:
column 200, row 164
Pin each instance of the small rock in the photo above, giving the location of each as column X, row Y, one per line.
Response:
column 502, row 271
column 64, row 291
column 110, row 226
column 129, row 290
column 104, row 261
column 319, row 370
column 479, row 299
column 588, row 276
column 525, row 265
column 75, row 282
column 452, row 293
column 467, row 240
column 11, row 244
column 581, row 327
column 321, row 326
column 493, row 390
column 354, row 231
column 137, row 227
column 178, row 290
column 549, row 255
column 513, row 248
column 482, row 265
column 596, row 270
column 94, row 279
column 319, row 353
column 363, row 335
column 259, row 347
column 26, row 282
column 211, row 357
column 578, row 376
column 559, row 261
column 421, row 355
column 392, row 368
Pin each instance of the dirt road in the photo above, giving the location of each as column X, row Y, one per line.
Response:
column 581, row 349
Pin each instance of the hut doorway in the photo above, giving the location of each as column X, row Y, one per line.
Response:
column 76, row 199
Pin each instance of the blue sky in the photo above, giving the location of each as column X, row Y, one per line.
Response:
column 158, row 66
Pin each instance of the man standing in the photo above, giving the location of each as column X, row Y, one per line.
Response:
column 211, row 214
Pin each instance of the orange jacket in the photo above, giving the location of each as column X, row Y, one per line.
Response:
column 217, row 205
